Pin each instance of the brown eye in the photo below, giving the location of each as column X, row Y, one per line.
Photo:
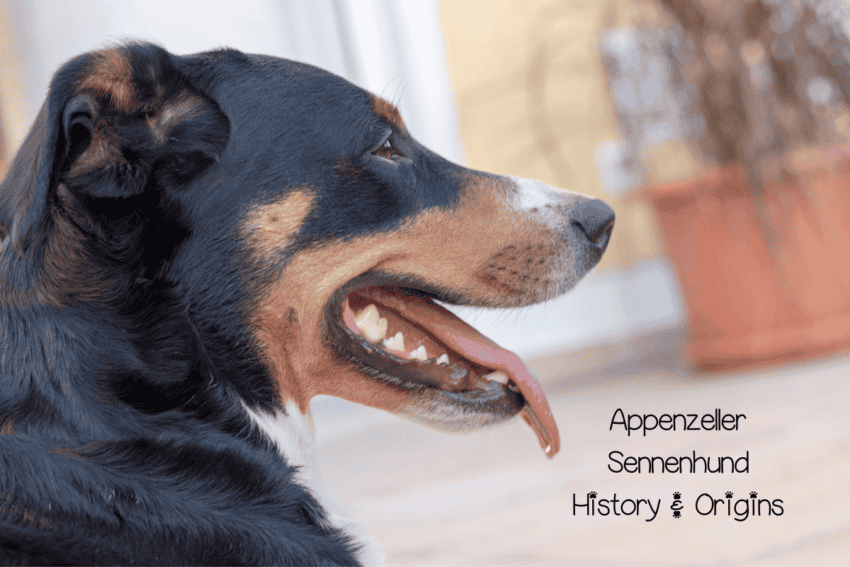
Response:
column 388, row 150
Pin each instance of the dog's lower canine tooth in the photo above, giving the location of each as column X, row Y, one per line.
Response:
column 443, row 359
column 497, row 376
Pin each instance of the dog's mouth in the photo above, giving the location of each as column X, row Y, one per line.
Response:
column 401, row 336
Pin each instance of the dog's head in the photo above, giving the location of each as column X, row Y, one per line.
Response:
column 298, row 226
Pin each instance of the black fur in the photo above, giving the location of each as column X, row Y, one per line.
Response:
column 133, row 305
column 125, row 356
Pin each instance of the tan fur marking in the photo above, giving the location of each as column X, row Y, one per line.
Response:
column 267, row 231
column 267, row 228
column 111, row 76
column 279, row 333
column 388, row 112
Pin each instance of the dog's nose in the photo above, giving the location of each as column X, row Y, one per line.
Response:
column 596, row 220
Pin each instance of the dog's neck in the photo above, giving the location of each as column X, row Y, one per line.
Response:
column 33, row 293
column 293, row 433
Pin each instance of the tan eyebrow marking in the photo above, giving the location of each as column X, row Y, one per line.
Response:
column 388, row 112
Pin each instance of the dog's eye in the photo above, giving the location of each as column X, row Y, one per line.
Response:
column 388, row 150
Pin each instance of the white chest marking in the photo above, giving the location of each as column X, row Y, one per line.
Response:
column 294, row 436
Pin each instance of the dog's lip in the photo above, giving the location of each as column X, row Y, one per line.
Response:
column 474, row 347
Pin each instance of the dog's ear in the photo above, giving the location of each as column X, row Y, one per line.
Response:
column 23, row 191
column 116, row 122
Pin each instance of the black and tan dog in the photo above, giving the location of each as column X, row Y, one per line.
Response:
column 196, row 246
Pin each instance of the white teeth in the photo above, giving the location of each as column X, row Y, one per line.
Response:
column 497, row 376
column 395, row 343
column 419, row 354
column 375, row 331
column 374, row 328
column 371, row 324
column 367, row 314
column 382, row 329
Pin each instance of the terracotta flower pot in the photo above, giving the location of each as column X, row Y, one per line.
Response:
column 757, row 295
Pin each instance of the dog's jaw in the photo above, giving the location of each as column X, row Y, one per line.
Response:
column 480, row 384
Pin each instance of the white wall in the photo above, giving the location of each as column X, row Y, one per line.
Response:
column 387, row 47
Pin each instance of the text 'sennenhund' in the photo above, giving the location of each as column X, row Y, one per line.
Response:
column 194, row 247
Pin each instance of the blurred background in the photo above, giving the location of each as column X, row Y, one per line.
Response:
column 718, row 130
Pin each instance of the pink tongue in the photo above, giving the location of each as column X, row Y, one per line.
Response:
column 477, row 348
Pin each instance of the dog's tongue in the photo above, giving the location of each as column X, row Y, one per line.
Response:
column 477, row 348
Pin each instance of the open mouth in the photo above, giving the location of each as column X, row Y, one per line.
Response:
column 401, row 336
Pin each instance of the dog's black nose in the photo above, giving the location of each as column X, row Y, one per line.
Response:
column 596, row 220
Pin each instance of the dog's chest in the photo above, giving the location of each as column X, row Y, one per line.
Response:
column 293, row 434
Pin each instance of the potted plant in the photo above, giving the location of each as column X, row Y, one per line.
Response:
column 758, row 229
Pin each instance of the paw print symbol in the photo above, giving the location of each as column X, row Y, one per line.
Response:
column 592, row 494
column 753, row 494
column 729, row 494
column 677, row 495
column 677, row 514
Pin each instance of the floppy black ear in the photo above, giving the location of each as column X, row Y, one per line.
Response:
column 23, row 192
column 115, row 123
column 26, row 190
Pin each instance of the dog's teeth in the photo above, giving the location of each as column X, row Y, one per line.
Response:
column 370, row 329
column 497, row 376
column 382, row 329
column 419, row 354
column 371, row 324
column 374, row 332
column 443, row 359
column 367, row 315
column 395, row 343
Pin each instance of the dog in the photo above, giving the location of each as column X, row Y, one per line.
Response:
column 193, row 248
